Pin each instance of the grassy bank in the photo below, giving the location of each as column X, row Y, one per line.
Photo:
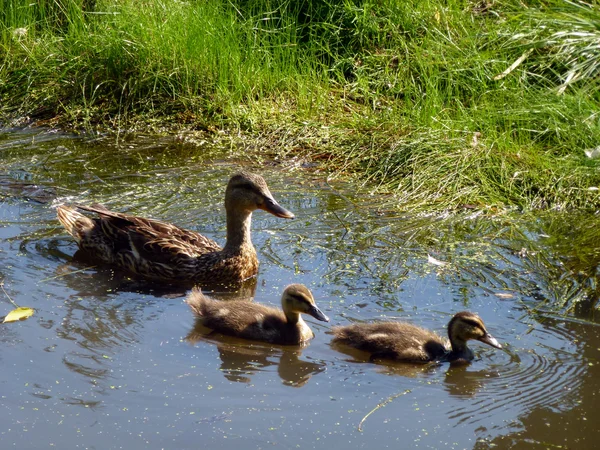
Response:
column 445, row 103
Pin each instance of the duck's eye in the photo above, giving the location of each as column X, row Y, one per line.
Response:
column 248, row 187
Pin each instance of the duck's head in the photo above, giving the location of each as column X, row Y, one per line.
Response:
column 297, row 299
column 248, row 192
column 466, row 325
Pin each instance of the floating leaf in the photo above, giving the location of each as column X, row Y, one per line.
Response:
column 437, row 262
column 18, row 314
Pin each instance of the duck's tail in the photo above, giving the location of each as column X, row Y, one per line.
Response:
column 76, row 224
column 198, row 302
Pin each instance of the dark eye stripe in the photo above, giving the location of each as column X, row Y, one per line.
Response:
column 473, row 323
column 249, row 187
column 299, row 298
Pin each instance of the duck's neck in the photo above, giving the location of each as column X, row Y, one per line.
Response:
column 301, row 329
column 459, row 349
column 238, row 232
column 293, row 317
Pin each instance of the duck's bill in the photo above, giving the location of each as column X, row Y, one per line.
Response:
column 490, row 340
column 318, row 314
column 270, row 205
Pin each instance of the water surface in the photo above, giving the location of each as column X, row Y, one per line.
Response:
column 112, row 362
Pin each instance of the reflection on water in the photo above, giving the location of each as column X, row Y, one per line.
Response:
column 105, row 357
column 464, row 383
column 240, row 359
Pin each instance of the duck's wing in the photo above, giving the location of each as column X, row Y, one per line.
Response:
column 150, row 238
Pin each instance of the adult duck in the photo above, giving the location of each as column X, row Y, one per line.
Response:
column 162, row 251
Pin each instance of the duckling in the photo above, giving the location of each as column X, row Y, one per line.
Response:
column 402, row 341
column 258, row 322
column 162, row 251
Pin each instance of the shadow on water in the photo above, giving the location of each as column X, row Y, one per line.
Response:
column 106, row 357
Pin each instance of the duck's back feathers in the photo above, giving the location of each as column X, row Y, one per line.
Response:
column 393, row 340
column 247, row 320
column 151, row 235
column 148, row 247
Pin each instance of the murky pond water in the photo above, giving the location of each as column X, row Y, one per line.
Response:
column 110, row 362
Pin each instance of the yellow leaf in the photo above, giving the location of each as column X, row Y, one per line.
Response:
column 18, row 314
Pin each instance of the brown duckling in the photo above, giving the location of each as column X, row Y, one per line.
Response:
column 249, row 320
column 162, row 251
column 402, row 341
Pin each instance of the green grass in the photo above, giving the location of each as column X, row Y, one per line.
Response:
column 444, row 103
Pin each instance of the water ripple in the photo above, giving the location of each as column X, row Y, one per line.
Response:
column 524, row 380
column 101, row 337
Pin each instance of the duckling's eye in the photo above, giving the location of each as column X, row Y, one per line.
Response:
column 298, row 298
column 473, row 323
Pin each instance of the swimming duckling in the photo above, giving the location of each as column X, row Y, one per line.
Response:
column 402, row 341
column 258, row 322
column 162, row 251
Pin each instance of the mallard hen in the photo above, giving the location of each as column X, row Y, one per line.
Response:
column 249, row 320
column 402, row 341
column 162, row 251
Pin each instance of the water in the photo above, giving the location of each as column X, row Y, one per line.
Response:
column 111, row 362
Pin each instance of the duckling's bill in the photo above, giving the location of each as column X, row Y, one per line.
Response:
column 490, row 340
column 317, row 313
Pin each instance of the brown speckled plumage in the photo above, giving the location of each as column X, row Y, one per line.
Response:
column 162, row 251
column 249, row 320
column 402, row 341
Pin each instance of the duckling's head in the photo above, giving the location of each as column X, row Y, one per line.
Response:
column 298, row 299
column 466, row 325
column 248, row 191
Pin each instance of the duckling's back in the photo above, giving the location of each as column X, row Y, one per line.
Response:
column 392, row 340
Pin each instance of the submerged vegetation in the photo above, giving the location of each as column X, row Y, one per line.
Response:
column 445, row 103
